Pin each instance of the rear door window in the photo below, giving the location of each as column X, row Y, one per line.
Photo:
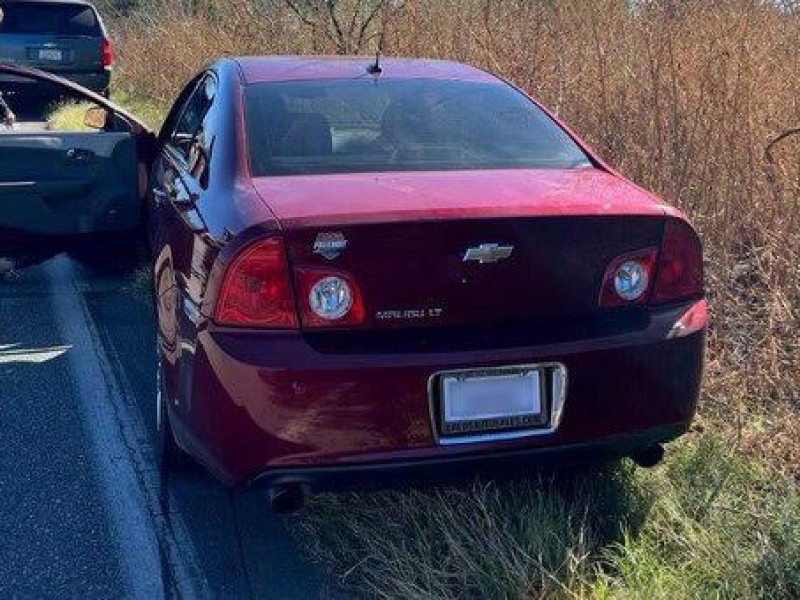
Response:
column 189, row 126
column 190, row 136
column 35, row 18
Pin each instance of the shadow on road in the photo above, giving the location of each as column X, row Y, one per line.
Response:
column 239, row 548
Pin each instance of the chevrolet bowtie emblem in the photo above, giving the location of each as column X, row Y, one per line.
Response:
column 488, row 253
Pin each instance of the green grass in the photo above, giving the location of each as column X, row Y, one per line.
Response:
column 707, row 523
column 151, row 112
column 69, row 116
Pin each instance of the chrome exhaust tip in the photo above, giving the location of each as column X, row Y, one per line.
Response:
column 649, row 456
column 286, row 498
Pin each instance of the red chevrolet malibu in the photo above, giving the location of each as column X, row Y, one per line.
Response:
column 405, row 269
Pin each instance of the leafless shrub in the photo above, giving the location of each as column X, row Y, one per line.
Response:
column 349, row 25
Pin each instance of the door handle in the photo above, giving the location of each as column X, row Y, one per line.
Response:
column 80, row 154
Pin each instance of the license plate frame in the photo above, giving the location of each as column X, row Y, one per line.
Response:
column 552, row 392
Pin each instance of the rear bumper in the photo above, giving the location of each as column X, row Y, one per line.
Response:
column 455, row 468
column 258, row 406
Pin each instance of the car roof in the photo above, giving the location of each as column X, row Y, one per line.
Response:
column 263, row 69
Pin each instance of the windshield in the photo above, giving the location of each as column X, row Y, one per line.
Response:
column 318, row 127
column 48, row 19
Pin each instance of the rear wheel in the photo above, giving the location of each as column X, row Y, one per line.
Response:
column 170, row 456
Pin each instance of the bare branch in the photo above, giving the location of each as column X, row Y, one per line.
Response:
column 356, row 14
column 348, row 31
column 776, row 140
column 365, row 24
column 300, row 13
column 336, row 26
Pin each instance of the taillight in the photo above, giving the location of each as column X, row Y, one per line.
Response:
column 257, row 290
column 671, row 274
column 108, row 53
column 680, row 265
column 629, row 279
column 329, row 298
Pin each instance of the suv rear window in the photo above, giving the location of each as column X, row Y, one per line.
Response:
column 366, row 125
column 49, row 19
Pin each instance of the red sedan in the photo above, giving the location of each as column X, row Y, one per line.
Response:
column 414, row 269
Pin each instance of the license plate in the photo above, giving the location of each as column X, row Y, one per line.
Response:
column 51, row 55
column 474, row 402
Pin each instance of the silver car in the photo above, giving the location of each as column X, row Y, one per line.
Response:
column 65, row 37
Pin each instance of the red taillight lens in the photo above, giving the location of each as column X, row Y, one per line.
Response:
column 680, row 265
column 257, row 290
column 108, row 53
column 629, row 279
column 329, row 299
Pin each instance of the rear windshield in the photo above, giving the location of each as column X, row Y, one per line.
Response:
column 318, row 127
column 48, row 19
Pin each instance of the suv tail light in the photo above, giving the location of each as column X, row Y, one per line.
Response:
column 329, row 298
column 257, row 290
column 680, row 264
column 108, row 53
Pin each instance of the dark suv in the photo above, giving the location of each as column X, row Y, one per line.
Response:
column 65, row 37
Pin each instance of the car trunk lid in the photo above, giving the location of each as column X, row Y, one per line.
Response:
column 470, row 248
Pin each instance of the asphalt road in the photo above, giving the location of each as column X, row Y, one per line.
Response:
column 82, row 510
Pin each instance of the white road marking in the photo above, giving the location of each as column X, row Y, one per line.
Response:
column 124, row 458
column 33, row 355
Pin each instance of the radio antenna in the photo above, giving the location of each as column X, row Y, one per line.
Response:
column 375, row 68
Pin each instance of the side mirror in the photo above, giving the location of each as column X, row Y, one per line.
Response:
column 96, row 118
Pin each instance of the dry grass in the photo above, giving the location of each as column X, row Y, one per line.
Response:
column 682, row 96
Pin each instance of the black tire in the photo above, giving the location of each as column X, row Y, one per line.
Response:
column 171, row 458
